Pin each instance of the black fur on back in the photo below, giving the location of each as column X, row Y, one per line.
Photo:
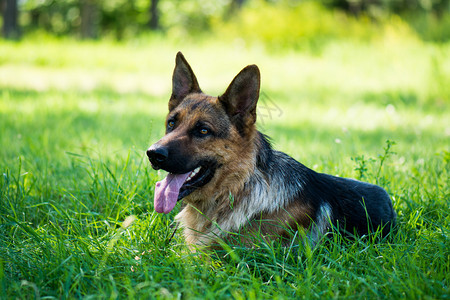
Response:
column 356, row 206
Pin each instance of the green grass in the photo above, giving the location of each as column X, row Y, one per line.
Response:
column 76, row 208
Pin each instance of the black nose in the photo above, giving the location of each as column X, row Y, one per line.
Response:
column 157, row 154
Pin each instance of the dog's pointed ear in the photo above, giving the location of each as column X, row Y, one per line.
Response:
column 241, row 97
column 184, row 81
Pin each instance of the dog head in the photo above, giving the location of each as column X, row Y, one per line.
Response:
column 207, row 138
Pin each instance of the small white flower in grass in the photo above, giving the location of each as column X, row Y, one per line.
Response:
column 337, row 141
column 390, row 109
column 137, row 257
column 165, row 293
column 128, row 221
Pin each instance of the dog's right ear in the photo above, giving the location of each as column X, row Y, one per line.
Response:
column 184, row 82
column 241, row 97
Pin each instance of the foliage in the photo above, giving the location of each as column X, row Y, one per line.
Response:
column 375, row 8
column 431, row 27
column 64, row 17
column 296, row 26
column 278, row 23
column 309, row 25
column 119, row 18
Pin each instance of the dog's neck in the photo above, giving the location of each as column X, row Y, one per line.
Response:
column 204, row 219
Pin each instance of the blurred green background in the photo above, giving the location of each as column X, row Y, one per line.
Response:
column 276, row 23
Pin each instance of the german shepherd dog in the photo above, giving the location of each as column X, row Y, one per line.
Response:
column 231, row 180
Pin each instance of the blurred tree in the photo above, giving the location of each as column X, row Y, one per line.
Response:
column 236, row 4
column 376, row 7
column 122, row 17
column 10, row 13
column 89, row 19
column 234, row 7
column 60, row 17
column 154, row 15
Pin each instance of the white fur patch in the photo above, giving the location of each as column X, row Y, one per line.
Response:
column 267, row 197
column 321, row 224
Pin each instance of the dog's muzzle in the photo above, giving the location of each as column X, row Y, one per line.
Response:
column 157, row 155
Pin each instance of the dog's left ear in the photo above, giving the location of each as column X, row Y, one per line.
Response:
column 241, row 97
column 184, row 81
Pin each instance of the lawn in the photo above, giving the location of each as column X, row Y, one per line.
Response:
column 76, row 207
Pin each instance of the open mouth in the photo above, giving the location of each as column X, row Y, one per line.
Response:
column 196, row 179
column 177, row 186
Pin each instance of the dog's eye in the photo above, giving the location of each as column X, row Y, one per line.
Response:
column 170, row 124
column 201, row 130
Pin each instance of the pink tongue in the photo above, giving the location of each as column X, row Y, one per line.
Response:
column 167, row 190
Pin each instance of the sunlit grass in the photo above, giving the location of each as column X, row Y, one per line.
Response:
column 76, row 118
